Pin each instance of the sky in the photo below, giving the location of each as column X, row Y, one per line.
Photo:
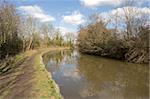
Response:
column 68, row 15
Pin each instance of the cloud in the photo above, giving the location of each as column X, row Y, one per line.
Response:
column 67, row 33
column 137, row 13
column 75, row 18
column 120, row 12
column 36, row 12
column 95, row 3
column 63, row 30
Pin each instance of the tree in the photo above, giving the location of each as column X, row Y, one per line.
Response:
column 47, row 30
column 70, row 37
column 10, row 42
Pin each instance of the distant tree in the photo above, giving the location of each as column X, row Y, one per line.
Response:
column 70, row 39
column 47, row 30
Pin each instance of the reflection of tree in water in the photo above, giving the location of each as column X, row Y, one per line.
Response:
column 56, row 56
column 105, row 76
column 54, row 59
column 53, row 56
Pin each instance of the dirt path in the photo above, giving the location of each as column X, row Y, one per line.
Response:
column 18, row 82
column 27, row 78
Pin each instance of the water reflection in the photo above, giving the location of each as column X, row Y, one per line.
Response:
column 90, row 77
column 107, row 78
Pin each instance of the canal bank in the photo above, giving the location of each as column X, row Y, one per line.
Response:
column 26, row 77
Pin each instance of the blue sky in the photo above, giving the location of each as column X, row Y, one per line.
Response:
column 69, row 14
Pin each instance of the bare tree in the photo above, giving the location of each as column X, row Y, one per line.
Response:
column 10, row 43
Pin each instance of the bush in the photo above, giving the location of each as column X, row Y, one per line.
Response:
column 11, row 48
column 96, row 39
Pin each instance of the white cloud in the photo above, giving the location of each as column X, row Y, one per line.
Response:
column 67, row 32
column 75, row 18
column 120, row 12
column 139, row 13
column 64, row 30
column 36, row 12
column 95, row 3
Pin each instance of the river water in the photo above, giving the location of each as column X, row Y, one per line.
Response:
column 92, row 77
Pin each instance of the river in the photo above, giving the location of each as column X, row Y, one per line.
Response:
column 92, row 77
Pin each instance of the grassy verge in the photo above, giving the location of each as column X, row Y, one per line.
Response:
column 45, row 86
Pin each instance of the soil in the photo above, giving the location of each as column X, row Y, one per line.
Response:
column 18, row 82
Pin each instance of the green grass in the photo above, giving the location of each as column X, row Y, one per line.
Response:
column 45, row 85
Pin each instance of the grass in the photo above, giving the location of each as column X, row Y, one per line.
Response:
column 45, row 85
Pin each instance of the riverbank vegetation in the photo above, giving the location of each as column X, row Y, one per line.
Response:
column 124, row 35
column 20, row 34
